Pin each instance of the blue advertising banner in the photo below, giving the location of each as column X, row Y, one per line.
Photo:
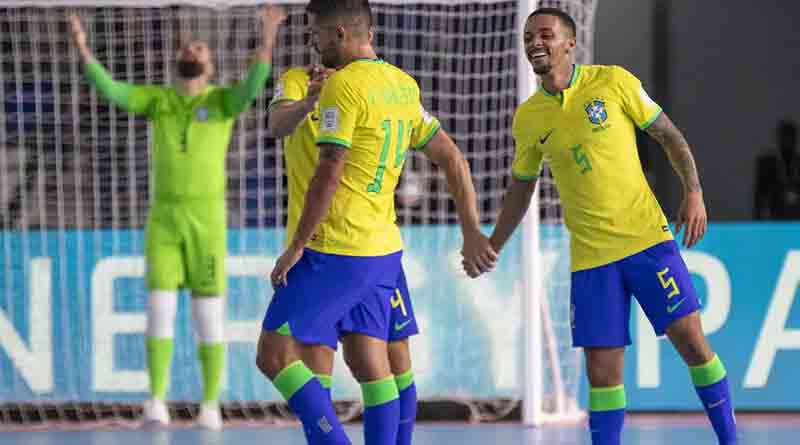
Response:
column 72, row 318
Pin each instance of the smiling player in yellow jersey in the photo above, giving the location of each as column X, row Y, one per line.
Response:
column 582, row 121
column 339, row 275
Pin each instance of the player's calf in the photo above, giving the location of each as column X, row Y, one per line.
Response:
column 279, row 360
column 209, row 322
column 368, row 360
column 607, row 401
column 708, row 375
column 400, row 361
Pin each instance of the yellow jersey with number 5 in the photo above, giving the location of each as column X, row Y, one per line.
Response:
column 587, row 134
column 372, row 109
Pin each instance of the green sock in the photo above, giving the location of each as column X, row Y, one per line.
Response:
column 159, row 360
column 381, row 411
column 212, row 361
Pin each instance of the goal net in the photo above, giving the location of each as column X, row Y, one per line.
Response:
column 74, row 194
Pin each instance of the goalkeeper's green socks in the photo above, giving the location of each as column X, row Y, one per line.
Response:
column 209, row 321
column 161, row 308
column 159, row 359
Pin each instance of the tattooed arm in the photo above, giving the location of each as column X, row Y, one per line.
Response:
column 678, row 151
column 692, row 213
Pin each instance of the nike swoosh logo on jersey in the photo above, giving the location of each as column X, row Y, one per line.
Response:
column 671, row 309
column 716, row 404
column 544, row 138
column 400, row 326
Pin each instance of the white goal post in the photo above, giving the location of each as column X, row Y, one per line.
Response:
column 74, row 191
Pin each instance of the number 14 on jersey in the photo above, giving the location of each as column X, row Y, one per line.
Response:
column 401, row 147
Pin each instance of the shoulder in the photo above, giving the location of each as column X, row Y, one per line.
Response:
column 297, row 73
column 618, row 74
column 400, row 73
column 341, row 79
column 530, row 108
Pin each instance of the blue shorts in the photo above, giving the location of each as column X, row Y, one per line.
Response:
column 601, row 296
column 329, row 296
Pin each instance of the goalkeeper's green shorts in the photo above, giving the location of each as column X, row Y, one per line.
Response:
column 185, row 246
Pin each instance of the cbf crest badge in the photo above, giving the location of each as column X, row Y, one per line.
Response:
column 597, row 112
column 201, row 114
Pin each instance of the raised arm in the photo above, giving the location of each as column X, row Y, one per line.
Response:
column 478, row 254
column 238, row 98
column 118, row 93
column 692, row 213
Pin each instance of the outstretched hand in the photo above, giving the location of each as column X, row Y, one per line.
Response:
column 478, row 255
column 692, row 216
column 76, row 31
column 271, row 18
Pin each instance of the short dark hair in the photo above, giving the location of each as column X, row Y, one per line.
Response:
column 565, row 18
column 329, row 10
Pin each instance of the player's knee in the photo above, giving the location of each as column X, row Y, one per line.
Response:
column 161, row 309
column 274, row 354
column 686, row 334
column 399, row 356
column 600, row 377
column 605, row 366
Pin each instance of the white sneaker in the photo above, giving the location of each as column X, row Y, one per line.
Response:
column 209, row 416
column 155, row 411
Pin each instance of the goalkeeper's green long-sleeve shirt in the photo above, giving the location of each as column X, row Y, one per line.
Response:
column 191, row 133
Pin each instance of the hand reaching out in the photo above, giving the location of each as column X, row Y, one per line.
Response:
column 79, row 38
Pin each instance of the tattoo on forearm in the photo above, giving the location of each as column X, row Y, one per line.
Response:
column 678, row 151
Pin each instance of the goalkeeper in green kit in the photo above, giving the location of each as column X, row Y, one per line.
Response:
column 185, row 236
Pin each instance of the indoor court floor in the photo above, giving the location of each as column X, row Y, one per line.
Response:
column 764, row 429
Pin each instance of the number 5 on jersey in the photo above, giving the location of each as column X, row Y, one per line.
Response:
column 400, row 153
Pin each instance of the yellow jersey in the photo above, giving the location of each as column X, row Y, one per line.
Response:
column 300, row 151
column 372, row 109
column 587, row 134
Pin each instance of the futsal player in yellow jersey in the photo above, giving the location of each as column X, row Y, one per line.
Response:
column 583, row 121
column 294, row 115
column 339, row 275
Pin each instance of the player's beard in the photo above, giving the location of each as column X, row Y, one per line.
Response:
column 329, row 59
column 189, row 69
column 542, row 68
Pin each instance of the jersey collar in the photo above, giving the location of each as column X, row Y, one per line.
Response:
column 576, row 72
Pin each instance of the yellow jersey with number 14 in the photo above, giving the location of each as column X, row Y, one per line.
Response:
column 587, row 134
column 372, row 109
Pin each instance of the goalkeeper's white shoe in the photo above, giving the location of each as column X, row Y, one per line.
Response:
column 156, row 412
column 209, row 416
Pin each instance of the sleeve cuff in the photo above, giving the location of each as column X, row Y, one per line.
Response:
column 279, row 100
column 650, row 121
column 334, row 141
column 421, row 145
column 524, row 178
